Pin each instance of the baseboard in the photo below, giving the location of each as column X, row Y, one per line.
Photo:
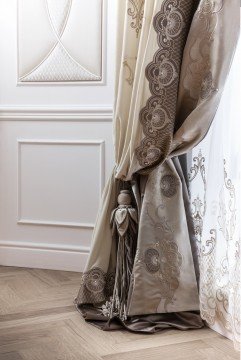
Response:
column 53, row 257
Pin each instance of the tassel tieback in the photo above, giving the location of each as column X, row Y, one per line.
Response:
column 124, row 227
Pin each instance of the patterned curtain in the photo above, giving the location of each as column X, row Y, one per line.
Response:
column 215, row 192
column 173, row 57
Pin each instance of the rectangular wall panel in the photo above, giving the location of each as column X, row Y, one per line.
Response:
column 52, row 44
column 55, row 187
column 52, row 177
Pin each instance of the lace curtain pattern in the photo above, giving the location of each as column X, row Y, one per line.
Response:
column 215, row 192
column 173, row 57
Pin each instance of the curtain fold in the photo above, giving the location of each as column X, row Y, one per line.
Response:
column 173, row 57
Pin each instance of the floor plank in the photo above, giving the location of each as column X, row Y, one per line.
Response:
column 38, row 321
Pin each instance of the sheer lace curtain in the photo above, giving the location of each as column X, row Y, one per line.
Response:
column 215, row 192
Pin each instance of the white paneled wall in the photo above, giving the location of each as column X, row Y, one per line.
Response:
column 56, row 153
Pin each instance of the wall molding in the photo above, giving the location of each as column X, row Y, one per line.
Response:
column 43, row 256
column 56, row 223
column 60, row 113
column 24, row 221
column 44, row 246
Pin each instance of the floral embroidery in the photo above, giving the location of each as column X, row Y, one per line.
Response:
column 152, row 260
column 199, row 205
column 171, row 26
column 221, row 284
column 162, row 74
column 207, row 7
column 130, row 77
column 198, row 217
column 169, row 184
column 172, row 22
column 107, row 309
column 198, row 79
column 162, row 259
column 227, row 225
column 95, row 280
column 136, row 12
column 207, row 86
column 210, row 7
column 96, row 286
column 158, row 117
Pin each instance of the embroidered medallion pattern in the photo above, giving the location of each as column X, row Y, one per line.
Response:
column 96, row 286
column 152, row 260
column 162, row 258
column 157, row 117
column 95, row 280
column 169, row 184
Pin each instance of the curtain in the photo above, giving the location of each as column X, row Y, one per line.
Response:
column 215, row 196
column 173, row 57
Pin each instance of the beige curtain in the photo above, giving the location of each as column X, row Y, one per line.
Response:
column 173, row 57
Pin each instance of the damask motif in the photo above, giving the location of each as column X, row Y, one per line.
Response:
column 158, row 117
column 207, row 7
column 199, row 205
column 220, row 283
column 227, row 225
column 95, row 280
column 198, row 166
column 210, row 244
column 171, row 24
column 107, row 310
column 207, row 86
column 169, row 184
column 152, row 260
column 130, row 77
column 162, row 258
column 96, row 286
column 136, row 12
column 161, row 74
column 198, row 80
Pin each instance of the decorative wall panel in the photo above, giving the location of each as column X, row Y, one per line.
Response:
column 60, row 41
column 54, row 185
column 56, row 136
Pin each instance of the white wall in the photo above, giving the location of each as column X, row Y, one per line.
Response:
column 55, row 155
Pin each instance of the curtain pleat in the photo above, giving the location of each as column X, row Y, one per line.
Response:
column 173, row 57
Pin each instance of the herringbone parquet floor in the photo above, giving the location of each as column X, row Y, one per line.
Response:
column 38, row 321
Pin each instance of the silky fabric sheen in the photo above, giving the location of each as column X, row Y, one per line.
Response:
column 173, row 57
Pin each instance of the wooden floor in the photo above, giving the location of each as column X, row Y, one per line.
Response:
column 38, row 321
